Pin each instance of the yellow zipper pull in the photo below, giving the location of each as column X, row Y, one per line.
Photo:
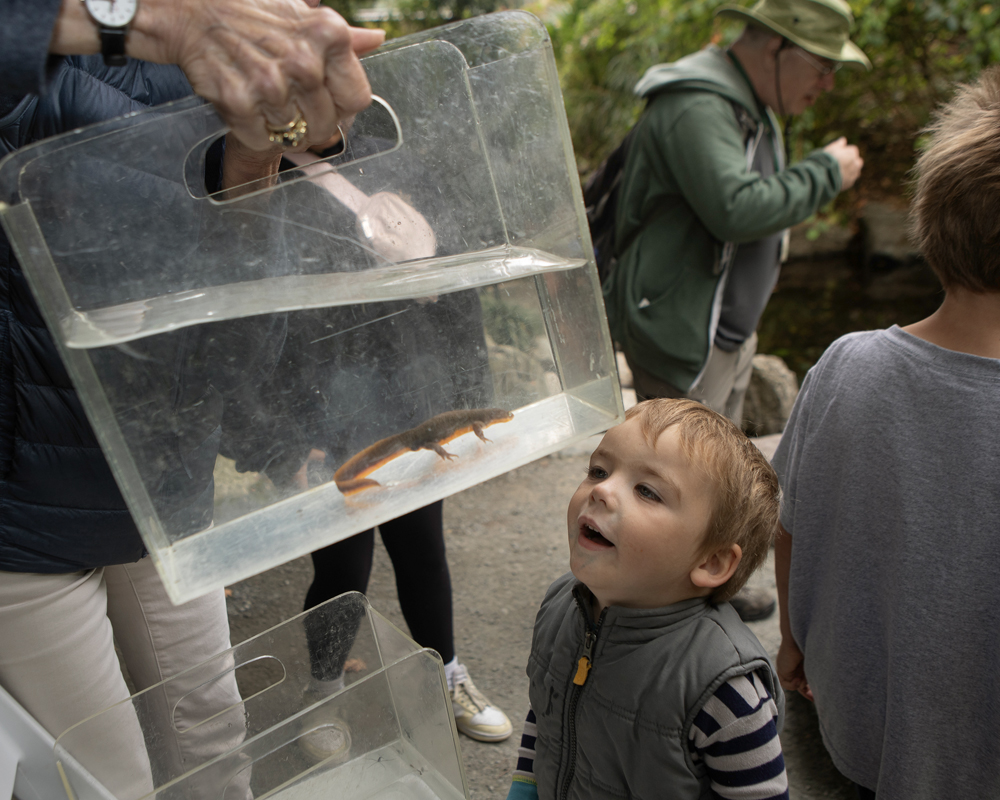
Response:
column 585, row 663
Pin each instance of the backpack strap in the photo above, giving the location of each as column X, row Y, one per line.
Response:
column 753, row 132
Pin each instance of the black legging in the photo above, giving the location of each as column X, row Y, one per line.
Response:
column 415, row 543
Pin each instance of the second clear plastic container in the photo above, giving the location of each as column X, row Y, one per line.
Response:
column 250, row 723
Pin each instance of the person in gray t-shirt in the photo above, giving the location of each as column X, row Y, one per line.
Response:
column 886, row 562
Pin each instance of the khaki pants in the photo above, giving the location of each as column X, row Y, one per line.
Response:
column 57, row 659
column 722, row 386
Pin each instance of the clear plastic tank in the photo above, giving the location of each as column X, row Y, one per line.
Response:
column 383, row 325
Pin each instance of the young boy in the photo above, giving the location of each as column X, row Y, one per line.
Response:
column 643, row 680
column 890, row 466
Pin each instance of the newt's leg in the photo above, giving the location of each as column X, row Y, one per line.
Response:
column 440, row 451
column 477, row 428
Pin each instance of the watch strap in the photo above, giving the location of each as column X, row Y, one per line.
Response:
column 113, row 46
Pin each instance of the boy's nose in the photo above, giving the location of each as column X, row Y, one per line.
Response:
column 604, row 492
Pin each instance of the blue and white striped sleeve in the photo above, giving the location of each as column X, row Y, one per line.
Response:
column 523, row 785
column 736, row 736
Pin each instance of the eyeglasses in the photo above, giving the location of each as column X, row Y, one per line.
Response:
column 823, row 69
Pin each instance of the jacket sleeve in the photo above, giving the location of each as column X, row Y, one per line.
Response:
column 702, row 148
column 24, row 44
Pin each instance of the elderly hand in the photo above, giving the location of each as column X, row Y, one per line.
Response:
column 849, row 158
column 260, row 62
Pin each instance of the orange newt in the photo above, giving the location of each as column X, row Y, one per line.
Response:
column 428, row 435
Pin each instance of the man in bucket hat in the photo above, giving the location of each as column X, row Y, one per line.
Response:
column 706, row 201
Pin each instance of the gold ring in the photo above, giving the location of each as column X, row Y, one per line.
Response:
column 289, row 135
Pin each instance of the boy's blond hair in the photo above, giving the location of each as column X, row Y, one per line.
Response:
column 954, row 215
column 745, row 508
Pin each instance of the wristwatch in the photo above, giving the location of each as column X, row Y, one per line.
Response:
column 113, row 18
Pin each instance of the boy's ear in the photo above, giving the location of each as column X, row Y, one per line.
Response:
column 717, row 567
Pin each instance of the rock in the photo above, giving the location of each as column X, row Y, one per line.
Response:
column 886, row 239
column 767, row 444
column 770, row 396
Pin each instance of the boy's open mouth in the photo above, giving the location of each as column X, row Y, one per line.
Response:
column 594, row 535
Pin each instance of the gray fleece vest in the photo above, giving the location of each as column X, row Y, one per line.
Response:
column 624, row 731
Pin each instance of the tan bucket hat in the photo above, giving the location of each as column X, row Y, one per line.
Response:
column 820, row 26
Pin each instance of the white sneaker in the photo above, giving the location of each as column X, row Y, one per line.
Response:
column 326, row 737
column 475, row 716
column 328, row 741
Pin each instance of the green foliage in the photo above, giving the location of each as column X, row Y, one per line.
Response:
column 421, row 14
column 919, row 49
column 603, row 48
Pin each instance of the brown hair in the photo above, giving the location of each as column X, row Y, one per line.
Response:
column 745, row 511
column 955, row 217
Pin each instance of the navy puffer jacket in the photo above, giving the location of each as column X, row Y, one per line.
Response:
column 60, row 509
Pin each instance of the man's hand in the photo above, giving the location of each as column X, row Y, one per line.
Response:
column 260, row 62
column 395, row 229
column 300, row 480
column 789, row 665
column 849, row 159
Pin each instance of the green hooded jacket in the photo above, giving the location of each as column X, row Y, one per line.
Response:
column 687, row 188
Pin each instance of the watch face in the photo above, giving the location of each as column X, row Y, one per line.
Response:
column 112, row 13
